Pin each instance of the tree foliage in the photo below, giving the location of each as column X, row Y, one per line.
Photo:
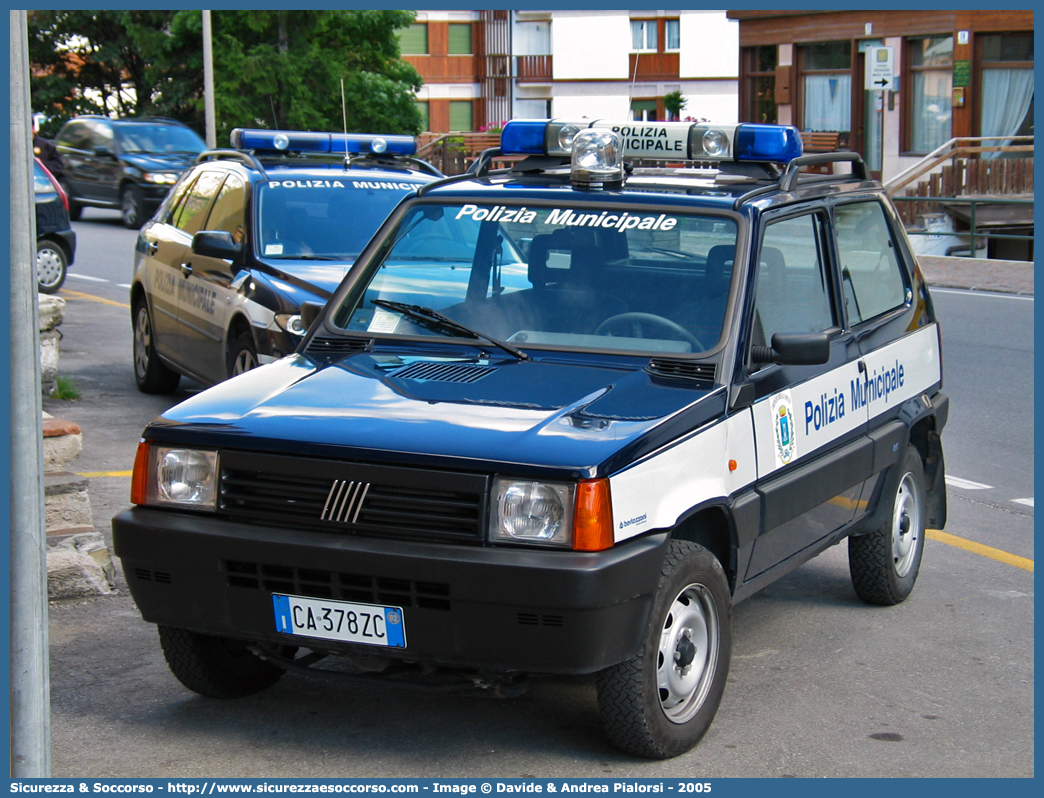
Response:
column 275, row 69
column 674, row 102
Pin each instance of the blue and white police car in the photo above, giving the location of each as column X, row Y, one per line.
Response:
column 558, row 419
column 249, row 234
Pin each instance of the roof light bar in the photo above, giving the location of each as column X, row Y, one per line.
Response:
column 333, row 143
column 663, row 141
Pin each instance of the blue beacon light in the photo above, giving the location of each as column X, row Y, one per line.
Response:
column 333, row 143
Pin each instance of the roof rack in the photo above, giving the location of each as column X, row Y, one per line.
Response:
column 232, row 155
column 788, row 181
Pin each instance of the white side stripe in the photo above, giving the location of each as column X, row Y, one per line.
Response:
column 966, row 484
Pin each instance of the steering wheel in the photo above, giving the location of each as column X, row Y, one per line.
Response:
column 636, row 320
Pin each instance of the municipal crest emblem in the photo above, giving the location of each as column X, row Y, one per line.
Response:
column 784, row 428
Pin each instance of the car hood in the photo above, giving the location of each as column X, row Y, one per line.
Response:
column 538, row 416
column 160, row 162
column 303, row 280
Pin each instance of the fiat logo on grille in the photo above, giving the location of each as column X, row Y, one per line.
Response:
column 344, row 502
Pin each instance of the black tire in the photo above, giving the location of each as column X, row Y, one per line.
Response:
column 242, row 357
column 151, row 375
column 132, row 208
column 884, row 563
column 658, row 706
column 51, row 266
column 75, row 209
column 215, row 667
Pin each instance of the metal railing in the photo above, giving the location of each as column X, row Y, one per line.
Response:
column 973, row 233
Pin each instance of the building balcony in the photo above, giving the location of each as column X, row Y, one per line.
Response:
column 654, row 66
column 533, row 68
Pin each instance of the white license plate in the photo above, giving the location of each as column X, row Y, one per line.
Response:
column 370, row 624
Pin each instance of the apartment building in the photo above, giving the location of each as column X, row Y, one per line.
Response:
column 484, row 67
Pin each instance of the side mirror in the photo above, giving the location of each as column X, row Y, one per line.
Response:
column 310, row 311
column 794, row 349
column 215, row 244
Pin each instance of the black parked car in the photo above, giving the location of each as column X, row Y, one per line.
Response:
column 128, row 164
column 55, row 239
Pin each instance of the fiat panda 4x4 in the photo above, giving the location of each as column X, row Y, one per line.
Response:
column 558, row 418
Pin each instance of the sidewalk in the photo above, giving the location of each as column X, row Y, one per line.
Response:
column 1005, row 276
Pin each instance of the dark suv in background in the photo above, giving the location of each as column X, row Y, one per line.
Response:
column 128, row 164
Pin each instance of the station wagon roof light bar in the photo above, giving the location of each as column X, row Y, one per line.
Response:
column 322, row 143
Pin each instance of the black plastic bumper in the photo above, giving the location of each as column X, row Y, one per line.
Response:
column 503, row 609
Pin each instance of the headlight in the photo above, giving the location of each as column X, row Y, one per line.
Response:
column 532, row 512
column 161, row 178
column 291, row 322
column 175, row 477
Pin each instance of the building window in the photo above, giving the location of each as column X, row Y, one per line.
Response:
column 672, row 33
column 460, row 115
column 643, row 35
column 532, row 109
column 413, row 40
column 459, row 38
column 643, row 110
column 759, row 66
column 930, row 94
column 826, row 86
column 422, row 107
column 1006, row 85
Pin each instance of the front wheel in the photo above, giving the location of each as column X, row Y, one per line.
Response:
column 884, row 563
column 51, row 266
column 215, row 667
column 132, row 208
column 242, row 357
column 660, row 702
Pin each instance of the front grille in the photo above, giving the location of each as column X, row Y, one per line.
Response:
column 315, row 583
column 682, row 369
column 353, row 498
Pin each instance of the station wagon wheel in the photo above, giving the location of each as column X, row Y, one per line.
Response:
column 131, row 207
column 51, row 266
column 217, row 667
column 884, row 563
column 150, row 374
column 633, row 325
column 660, row 702
column 242, row 357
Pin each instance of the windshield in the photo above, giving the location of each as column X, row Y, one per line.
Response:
column 159, row 139
column 559, row 277
column 323, row 219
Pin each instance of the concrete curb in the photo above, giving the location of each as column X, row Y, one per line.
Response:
column 977, row 274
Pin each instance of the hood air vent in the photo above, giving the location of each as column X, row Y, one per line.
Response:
column 443, row 372
column 682, row 369
column 335, row 346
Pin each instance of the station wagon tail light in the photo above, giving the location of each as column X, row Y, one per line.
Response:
column 332, row 143
column 660, row 141
column 593, row 524
column 169, row 476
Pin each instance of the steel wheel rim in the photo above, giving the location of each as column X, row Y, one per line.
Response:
column 687, row 654
column 48, row 267
column 906, row 526
column 245, row 361
column 142, row 343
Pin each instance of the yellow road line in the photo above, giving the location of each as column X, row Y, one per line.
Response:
column 92, row 297
column 106, row 474
column 978, row 548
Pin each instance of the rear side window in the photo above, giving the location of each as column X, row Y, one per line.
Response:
column 75, row 136
column 229, row 211
column 191, row 213
column 873, row 280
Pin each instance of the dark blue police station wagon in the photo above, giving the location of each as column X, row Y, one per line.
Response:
column 558, row 419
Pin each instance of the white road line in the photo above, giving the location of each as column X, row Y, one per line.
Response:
column 85, row 277
column 971, row 292
column 966, row 484
column 1027, row 502
column 123, row 285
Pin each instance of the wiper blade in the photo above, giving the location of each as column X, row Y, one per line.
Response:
column 436, row 319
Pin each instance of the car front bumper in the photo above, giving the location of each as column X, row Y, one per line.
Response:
column 499, row 609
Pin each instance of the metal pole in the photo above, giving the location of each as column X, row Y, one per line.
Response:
column 30, row 681
column 208, row 83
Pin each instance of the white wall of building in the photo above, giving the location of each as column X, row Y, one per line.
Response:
column 709, row 45
column 588, row 44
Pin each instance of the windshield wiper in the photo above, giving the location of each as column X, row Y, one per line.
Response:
column 437, row 320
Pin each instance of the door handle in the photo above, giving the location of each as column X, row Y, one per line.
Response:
column 186, row 269
column 151, row 247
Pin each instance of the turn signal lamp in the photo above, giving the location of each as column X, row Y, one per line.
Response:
column 663, row 141
column 593, row 517
column 139, row 478
column 332, row 143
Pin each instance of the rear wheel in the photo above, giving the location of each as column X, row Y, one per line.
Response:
column 149, row 373
column 215, row 667
column 132, row 207
column 51, row 266
column 885, row 562
column 660, row 702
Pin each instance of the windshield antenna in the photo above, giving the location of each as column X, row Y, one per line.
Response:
column 344, row 120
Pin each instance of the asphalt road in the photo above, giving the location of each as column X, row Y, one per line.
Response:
column 821, row 685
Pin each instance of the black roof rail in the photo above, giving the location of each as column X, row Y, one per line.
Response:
column 246, row 158
column 789, row 179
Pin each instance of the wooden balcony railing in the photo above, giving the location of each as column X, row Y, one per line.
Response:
column 534, row 67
